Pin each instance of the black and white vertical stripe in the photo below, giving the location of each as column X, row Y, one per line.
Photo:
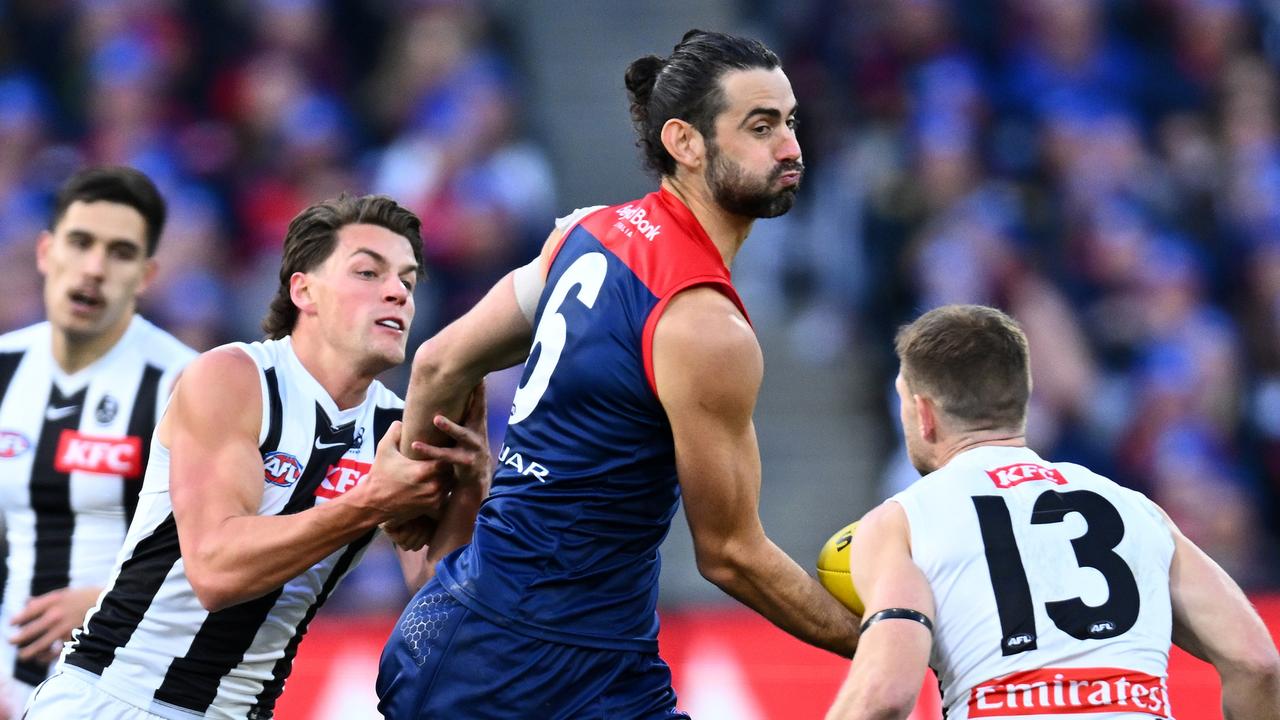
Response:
column 65, row 522
column 152, row 643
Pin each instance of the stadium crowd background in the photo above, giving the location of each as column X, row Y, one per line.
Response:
column 1109, row 172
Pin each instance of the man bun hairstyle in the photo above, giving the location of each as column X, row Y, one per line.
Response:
column 972, row 360
column 686, row 85
column 312, row 236
column 114, row 184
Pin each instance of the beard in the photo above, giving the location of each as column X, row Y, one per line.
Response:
column 741, row 194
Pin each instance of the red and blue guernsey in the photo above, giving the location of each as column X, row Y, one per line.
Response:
column 566, row 546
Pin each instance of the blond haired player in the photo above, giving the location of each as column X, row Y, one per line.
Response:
column 1033, row 588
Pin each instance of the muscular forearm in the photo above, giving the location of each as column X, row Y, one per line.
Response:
column 768, row 581
column 456, row 524
column 245, row 557
column 1251, row 695
column 434, row 389
column 493, row 335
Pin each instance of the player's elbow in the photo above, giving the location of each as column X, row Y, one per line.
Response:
column 874, row 699
column 435, row 365
column 720, row 564
column 214, row 590
column 213, row 596
column 891, row 701
column 1259, row 660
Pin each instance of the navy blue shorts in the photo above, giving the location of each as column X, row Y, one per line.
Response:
column 444, row 661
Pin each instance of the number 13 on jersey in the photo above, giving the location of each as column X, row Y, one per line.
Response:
column 1094, row 549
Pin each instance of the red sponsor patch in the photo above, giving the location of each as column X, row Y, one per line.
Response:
column 1053, row 691
column 94, row 454
column 341, row 477
column 13, row 444
column 1010, row 475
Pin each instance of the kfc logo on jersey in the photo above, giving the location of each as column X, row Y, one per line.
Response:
column 104, row 455
column 1010, row 475
column 341, row 477
column 281, row 469
column 13, row 444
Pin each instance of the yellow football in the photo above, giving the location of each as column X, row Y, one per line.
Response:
column 833, row 568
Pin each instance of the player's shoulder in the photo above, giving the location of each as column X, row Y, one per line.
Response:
column 567, row 223
column 158, row 345
column 704, row 351
column 25, row 337
column 887, row 517
column 384, row 397
column 705, row 318
column 225, row 369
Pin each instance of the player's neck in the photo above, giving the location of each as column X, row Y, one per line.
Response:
column 968, row 441
column 726, row 230
column 74, row 352
column 335, row 370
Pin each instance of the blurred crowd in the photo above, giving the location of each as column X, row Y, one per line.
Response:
column 245, row 112
column 1109, row 172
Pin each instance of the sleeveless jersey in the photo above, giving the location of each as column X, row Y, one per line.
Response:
column 73, row 451
column 1051, row 585
column 150, row 642
column 566, row 545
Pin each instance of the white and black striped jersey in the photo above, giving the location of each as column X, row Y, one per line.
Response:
column 73, row 450
column 1051, row 588
column 151, row 643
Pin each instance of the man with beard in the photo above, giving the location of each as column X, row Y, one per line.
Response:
column 641, row 375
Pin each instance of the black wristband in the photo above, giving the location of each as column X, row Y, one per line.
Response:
column 897, row 614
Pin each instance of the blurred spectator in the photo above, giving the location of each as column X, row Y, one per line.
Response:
column 1107, row 172
column 246, row 112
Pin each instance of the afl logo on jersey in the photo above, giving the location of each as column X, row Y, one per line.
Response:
column 281, row 469
column 13, row 444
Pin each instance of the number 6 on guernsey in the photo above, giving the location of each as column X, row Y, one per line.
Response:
column 587, row 272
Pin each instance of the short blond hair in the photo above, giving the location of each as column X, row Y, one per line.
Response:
column 972, row 360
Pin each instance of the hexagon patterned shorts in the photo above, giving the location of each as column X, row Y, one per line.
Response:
column 445, row 661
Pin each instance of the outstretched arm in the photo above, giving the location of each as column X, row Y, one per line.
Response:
column 1213, row 620
column 893, row 654
column 708, row 368
column 494, row 334
column 231, row 553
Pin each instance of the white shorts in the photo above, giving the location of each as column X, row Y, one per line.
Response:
column 66, row 695
column 13, row 696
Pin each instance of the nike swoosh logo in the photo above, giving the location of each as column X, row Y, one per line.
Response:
column 57, row 413
column 325, row 446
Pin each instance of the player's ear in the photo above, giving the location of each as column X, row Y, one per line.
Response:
column 300, row 293
column 43, row 244
column 927, row 412
column 684, row 143
column 148, row 274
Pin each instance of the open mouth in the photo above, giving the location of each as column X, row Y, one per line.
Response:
column 86, row 301
column 391, row 323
